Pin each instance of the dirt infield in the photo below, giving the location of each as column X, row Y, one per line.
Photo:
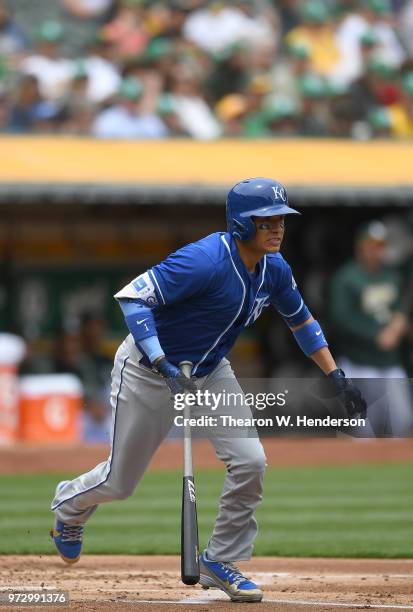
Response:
column 152, row 583
column 21, row 458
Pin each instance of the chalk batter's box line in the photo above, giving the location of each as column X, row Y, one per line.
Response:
column 204, row 600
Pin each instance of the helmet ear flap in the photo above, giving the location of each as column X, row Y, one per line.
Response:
column 237, row 225
column 243, row 230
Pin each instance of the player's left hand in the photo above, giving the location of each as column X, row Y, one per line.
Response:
column 353, row 400
column 174, row 378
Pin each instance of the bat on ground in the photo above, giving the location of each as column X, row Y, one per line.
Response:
column 189, row 521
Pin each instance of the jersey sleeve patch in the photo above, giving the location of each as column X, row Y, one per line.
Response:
column 141, row 288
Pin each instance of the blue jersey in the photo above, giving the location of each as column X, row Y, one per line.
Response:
column 202, row 297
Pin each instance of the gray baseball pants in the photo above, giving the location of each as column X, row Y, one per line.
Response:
column 143, row 413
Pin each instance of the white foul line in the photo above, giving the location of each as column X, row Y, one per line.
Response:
column 339, row 605
column 27, row 587
column 291, row 602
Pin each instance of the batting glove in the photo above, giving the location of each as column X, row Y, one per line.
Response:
column 353, row 400
column 174, row 378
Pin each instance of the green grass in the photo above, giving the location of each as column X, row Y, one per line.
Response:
column 356, row 511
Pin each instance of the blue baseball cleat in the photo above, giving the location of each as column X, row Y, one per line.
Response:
column 67, row 538
column 228, row 578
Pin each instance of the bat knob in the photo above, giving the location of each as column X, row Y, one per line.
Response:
column 186, row 368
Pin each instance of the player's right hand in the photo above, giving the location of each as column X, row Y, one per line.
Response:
column 174, row 378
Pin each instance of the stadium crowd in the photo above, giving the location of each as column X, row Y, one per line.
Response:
column 206, row 69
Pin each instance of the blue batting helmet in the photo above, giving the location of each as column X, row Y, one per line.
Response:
column 255, row 197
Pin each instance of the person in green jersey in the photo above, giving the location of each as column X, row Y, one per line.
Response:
column 368, row 312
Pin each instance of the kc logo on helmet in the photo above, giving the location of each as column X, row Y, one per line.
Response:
column 279, row 193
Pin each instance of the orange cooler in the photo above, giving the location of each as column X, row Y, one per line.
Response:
column 50, row 408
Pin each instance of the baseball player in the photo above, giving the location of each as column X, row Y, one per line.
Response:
column 192, row 306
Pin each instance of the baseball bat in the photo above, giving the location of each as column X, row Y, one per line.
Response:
column 189, row 521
